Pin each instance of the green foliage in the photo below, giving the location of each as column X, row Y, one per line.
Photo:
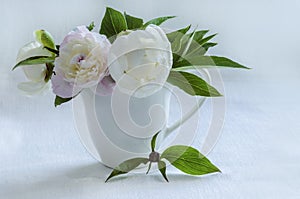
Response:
column 192, row 84
column 189, row 51
column 127, row 166
column 133, row 22
column 184, row 158
column 35, row 60
column 91, row 26
column 189, row 160
column 158, row 21
column 59, row 100
column 113, row 23
column 206, row 62
column 45, row 38
column 49, row 71
column 162, row 168
column 153, row 142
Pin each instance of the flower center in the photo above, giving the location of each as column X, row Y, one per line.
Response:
column 78, row 59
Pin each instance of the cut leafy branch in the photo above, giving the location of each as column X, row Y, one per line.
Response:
column 184, row 158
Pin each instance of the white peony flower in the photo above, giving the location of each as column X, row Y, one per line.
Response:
column 82, row 61
column 34, row 73
column 140, row 62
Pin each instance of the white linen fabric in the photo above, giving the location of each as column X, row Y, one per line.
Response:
column 41, row 155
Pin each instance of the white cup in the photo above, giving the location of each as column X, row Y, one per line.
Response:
column 120, row 127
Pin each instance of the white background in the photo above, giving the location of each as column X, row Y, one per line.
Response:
column 41, row 155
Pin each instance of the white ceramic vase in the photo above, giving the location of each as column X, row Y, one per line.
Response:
column 120, row 127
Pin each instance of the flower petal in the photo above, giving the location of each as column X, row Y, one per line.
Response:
column 83, row 58
column 140, row 62
column 106, row 86
column 33, row 88
column 63, row 88
column 35, row 72
column 30, row 50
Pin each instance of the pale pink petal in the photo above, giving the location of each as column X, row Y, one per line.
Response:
column 63, row 88
column 106, row 86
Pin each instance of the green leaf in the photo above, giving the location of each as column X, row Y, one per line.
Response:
column 49, row 71
column 178, row 33
column 45, row 38
column 158, row 21
column 206, row 61
column 52, row 50
column 199, row 35
column 180, row 42
column 186, row 45
column 91, row 26
column 192, row 84
column 162, row 169
column 181, row 45
column 59, row 100
column 149, row 167
column 197, row 38
column 127, row 166
column 153, row 142
column 113, row 23
column 189, row 160
column 178, row 39
column 206, row 39
column 35, row 60
column 197, row 47
column 208, row 45
column 133, row 22
column 196, row 52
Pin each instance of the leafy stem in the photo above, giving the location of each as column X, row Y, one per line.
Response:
column 185, row 158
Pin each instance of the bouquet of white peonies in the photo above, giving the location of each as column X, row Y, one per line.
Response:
column 139, row 57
